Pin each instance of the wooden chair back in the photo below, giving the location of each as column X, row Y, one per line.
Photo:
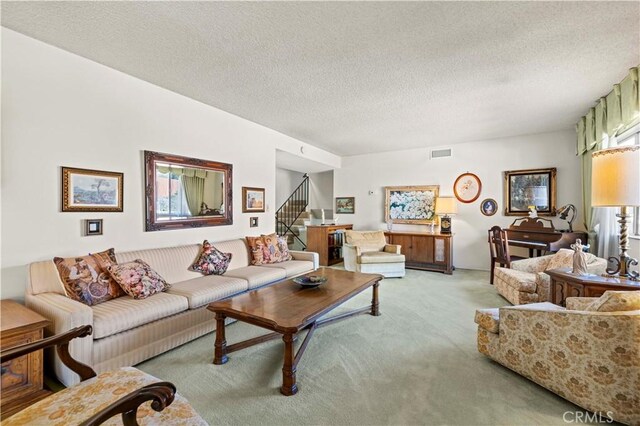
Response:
column 498, row 248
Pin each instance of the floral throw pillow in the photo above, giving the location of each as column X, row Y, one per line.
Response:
column 137, row 279
column 86, row 279
column 211, row 261
column 267, row 249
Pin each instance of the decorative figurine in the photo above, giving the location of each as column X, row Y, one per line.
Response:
column 579, row 258
column 533, row 212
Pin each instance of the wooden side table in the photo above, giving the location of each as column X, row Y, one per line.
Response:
column 564, row 284
column 22, row 383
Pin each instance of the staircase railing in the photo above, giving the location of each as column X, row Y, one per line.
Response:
column 291, row 210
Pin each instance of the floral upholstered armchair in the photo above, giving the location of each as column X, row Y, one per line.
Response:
column 526, row 282
column 368, row 251
column 128, row 392
column 588, row 353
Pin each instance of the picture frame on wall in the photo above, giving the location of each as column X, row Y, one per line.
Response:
column 488, row 207
column 85, row 190
column 92, row 227
column 524, row 189
column 252, row 200
column 345, row 205
column 467, row 187
column 411, row 204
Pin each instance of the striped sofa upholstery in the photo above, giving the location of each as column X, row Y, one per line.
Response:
column 128, row 331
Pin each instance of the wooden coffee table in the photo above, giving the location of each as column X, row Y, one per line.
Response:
column 287, row 308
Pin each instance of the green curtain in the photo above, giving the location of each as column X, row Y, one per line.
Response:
column 194, row 192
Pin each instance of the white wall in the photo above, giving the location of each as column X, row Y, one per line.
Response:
column 487, row 159
column 63, row 110
column 321, row 190
column 286, row 182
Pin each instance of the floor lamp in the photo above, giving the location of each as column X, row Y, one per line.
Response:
column 615, row 182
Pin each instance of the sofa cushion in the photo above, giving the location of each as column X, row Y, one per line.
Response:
column 204, row 290
column 86, row 279
column 519, row 280
column 257, row 275
column 211, row 261
column 616, row 301
column 381, row 257
column 125, row 313
column 292, row 267
column 489, row 319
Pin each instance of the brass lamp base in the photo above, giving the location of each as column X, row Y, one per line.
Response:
column 622, row 266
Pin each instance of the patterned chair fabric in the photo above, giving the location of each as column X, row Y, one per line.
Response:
column 589, row 358
column 76, row 404
column 526, row 282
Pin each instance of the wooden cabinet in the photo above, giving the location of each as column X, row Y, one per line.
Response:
column 423, row 250
column 327, row 240
column 22, row 377
column 565, row 284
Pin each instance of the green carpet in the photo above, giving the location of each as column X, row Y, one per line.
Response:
column 415, row 364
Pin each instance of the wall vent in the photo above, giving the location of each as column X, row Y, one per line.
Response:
column 440, row 153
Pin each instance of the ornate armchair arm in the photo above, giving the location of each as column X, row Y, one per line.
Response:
column 533, row 264
column 392, row 248
column 161, row 393
column 61, row 342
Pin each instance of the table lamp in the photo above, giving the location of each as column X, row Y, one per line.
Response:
column 564, row 213
column 615, row 182
column 446, row 206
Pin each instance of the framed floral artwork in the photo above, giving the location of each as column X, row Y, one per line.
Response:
column 467, row 187
column 411, row 204
column 86, row 190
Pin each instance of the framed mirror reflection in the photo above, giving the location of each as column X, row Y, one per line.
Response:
column 183, row 192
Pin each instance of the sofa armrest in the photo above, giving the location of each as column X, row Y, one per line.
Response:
column 533, row 264
column 310, row 256
column 392, row 248
column 350, row 253
column 65, row 314
column 579, row 303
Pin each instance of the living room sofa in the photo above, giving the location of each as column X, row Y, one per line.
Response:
column 589, row 357
column 127, row 331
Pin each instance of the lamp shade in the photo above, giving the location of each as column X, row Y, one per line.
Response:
column 446, row 206
column 615, row 177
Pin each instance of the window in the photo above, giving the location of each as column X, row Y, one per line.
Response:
column 172, row 203
column 631, row 137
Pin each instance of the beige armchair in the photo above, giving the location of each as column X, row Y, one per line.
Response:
column 368, row 251
column 526, row 282
column 588, row 353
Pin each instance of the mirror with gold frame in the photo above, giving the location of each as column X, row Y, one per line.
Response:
column 184, row 192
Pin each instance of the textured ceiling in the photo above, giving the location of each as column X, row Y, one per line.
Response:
column 358, row 77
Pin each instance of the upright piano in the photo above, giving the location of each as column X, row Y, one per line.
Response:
column 540, row 235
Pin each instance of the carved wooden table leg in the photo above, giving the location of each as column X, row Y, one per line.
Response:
column 289, row 386
column 375, row 303
column 220, row 352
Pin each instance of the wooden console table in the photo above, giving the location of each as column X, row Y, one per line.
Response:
column 424, row 250
column 22, row 383
column 564, row 284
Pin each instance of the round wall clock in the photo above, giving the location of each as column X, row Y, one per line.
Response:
column 467, row 188
column 488, row 207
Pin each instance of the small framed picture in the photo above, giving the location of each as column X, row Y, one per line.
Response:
column 488, row 207
column 346, row 205
column 91, row 190
column 252, row 200
column 253, row 222
column 467, row 187
column 92, row 227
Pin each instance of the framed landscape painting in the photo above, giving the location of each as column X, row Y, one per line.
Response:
column 345, row 205
column 252, row 200
column 411, row 204
column 91, row 190
column 525, row 189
